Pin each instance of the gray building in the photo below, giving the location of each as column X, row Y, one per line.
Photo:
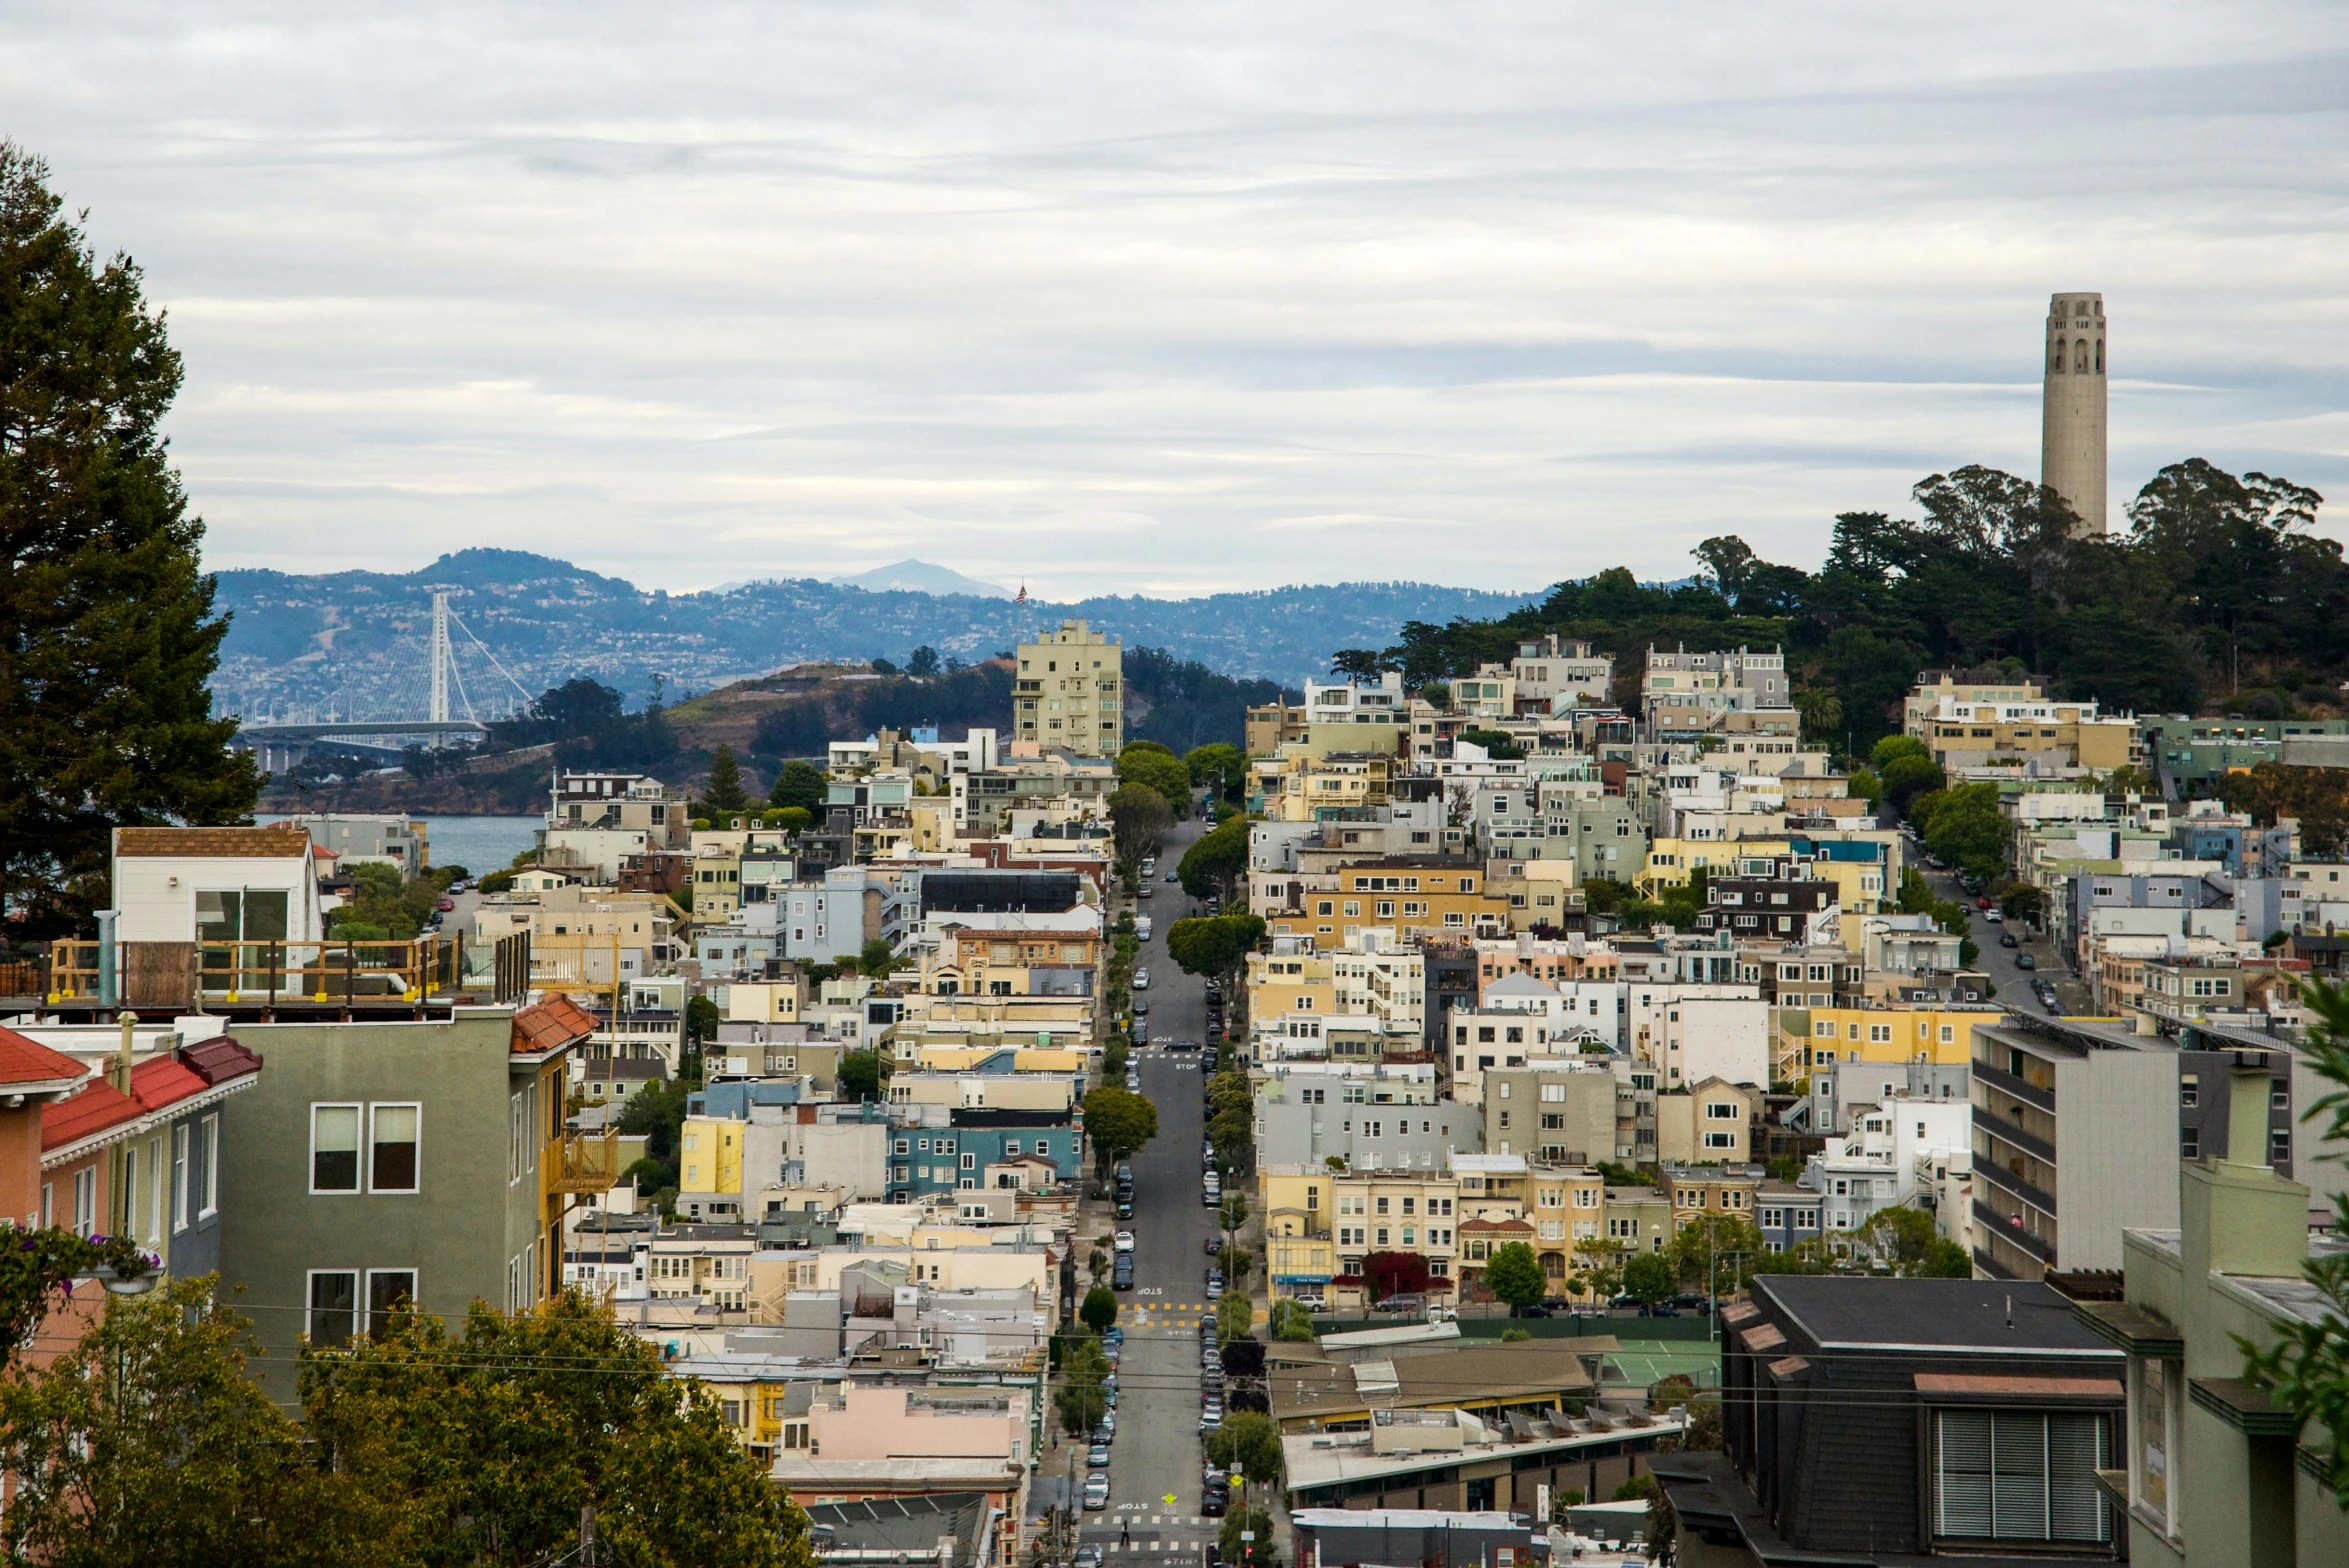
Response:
column 386, row 1163
column 2079, row 1130
column 1857, row 1085
column 1432, row 1538
column 1562, row 1110
column 1300, row 1123
column 357, row 838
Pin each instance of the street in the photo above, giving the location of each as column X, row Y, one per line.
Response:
column 2012, row 985
column 1157, row 1451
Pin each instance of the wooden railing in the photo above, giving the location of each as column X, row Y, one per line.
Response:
column 151, row 974
column 587, row 1161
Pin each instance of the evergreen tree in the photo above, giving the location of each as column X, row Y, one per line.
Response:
column 724, row 795
column 105, row 719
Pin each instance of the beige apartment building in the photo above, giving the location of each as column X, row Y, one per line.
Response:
column 1069, row 692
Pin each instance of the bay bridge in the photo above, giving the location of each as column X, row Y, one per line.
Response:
column 279, row 746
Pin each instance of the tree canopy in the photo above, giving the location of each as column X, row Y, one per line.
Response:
column 1514, row 1275
column 724, row 794
column 1138, row 819
column 1215, row 946
column 1216, row 861
column 105, row 717
column 801, row 785
column 2215, row 585
column 1118, row 1122
column 1147, row 762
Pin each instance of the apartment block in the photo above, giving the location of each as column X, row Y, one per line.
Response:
column 1068, row 693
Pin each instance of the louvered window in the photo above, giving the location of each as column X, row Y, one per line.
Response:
column 2009, row 1476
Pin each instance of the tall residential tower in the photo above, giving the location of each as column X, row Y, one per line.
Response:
column 1069, row 692
column 2071, row 433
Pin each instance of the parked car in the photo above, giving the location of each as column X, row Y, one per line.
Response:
column 1141, row 1007
column 1214, row 1502
column 1124, row 1241
column 447, row 904
column 1115, row 1336
column 2007, row 939
column 1089, row 1555
column 1105, row 1431
column 1214, row 1283
column 1992, row 915
column 1174, row 876
column 1145, row 890
column 1097, row 1457
column 2025, row 961
column 1209, row 1420
column 1125, row 1208
column 1121, row 1273
column 1141, row 980
column 1096, row 1491
column 1214, row 1245
column 1210, row 1196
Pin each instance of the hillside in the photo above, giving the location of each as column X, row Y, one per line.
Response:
column 353, row 643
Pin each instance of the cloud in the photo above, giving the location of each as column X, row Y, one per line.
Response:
column 1201, row 297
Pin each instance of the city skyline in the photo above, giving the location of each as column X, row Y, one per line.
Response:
column 1198, row 303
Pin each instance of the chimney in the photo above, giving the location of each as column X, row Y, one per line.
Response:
column 2248, row 1088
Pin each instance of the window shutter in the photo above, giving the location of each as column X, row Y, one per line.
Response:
column 1963, row 1507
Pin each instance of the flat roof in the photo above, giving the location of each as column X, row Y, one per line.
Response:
column 1932, row 1316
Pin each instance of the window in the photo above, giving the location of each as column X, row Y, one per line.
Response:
column 2011, row 1476
column 334, row 1303
column 85, row 1201
column 334, row 1151
column 391, row 1165
column 391, row 1289
column 1720, row 1140
column 210, row 1185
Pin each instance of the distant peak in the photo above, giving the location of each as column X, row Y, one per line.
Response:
column 912, row 576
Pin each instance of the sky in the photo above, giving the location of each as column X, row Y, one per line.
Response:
column 1178, row 299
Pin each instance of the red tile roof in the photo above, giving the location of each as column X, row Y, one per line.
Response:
column 219, row 1059
column 163, row 1081
column 96, row 1108
column 24, row 1061
column 556, row 1022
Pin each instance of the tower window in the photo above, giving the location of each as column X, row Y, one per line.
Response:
column 2080, row 356
column 2100, row 356
column 2055, row 360
column 2080, row 309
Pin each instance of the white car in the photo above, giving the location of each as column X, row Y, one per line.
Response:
column 1097, row 1491
column 1125, row 1241
column 1141, row 979
column 1994, row 917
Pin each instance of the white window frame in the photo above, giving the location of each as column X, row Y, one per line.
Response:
column 375, row 1106
column 358, row 1280
column 358, row 1169
column 180, row 1218
column 209, row 1204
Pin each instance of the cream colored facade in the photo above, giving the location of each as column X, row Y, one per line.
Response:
column 2072, row 408
column 1069, row 692
column 1709, row 1121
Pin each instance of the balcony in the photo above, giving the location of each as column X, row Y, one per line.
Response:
column 2006, row 1082
column 586, row 1162
column 2007, row 1181
column 2003, row 1227
column 2007, row 1132
column 265, row 976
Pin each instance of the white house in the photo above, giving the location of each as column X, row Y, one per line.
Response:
column 216, row 885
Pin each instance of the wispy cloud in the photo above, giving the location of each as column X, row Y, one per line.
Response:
column 1196, row 297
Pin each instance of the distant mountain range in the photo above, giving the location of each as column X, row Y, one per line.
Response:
column 353, row 644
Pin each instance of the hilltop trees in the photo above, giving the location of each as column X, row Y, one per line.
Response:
column 105, row 719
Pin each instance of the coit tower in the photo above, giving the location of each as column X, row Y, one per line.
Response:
column 2071, row 428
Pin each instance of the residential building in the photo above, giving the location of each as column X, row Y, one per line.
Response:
column 1566, row 1110
column 2078, row 1131
column 596, row 821
column 357, row 838
column 1068, row 693
column 422, row 1163
column 1556, row 674
column 1688, row 693
column 2040, row 735
column 1706, row 1120
column 2213, row 1472
column 1890, row 1419
column 863, row 1443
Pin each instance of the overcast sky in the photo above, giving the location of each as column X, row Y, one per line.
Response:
column 1181, row 298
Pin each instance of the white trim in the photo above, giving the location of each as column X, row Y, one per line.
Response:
column 375, row 1106
column 358, row 1152
column 358, row 1279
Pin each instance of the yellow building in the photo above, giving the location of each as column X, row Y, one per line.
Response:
column 1273, row 726
column 1568, row 1206
column 1338, row 1218
column 1943, row 1036
column 709, row 1157
column 1671, row 861
column 1972, row 719
column 1069, row 692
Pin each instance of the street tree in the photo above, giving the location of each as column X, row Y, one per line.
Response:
column 1215, row 947
column 1119, row 1122
column 1257, row 1550
column 1514, row 1275
column 1148, row 763
column 1138, row 819
column 1717, row 1253
column 1395, row 1274
column 1235, row 1315
column 1905, row 1238
column 1649, row 1278
column 1100, row 1310
column 1082, row 1398
column 110, row 635
column 1599, row 1262
column 876, row 957
column 1219, row 766
column 1250, row 1440
column 800, row 784
column 1214, row 866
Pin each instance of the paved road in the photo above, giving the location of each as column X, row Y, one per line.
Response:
column 1157, row 1451
column 2013, row 985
